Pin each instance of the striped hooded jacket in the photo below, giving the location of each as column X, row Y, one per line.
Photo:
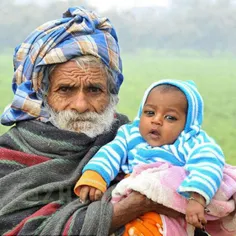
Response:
column 198, row 153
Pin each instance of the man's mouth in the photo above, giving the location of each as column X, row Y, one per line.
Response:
column 81, row 121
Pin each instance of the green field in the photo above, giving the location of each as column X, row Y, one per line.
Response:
column 215, row 77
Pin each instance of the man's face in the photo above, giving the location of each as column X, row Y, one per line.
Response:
column 76, row 89
column 163, row 116
column 79, row 100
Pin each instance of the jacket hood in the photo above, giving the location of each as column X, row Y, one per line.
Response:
column 194, row 99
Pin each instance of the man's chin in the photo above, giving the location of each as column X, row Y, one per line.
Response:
column 89, row 123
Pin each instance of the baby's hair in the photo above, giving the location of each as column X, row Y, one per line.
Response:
column 170, row 87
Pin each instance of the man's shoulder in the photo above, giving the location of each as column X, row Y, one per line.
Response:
column 123, row 119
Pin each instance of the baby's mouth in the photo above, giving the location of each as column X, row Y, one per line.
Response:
column 154, row 133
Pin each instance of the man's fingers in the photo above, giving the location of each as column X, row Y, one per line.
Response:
column 98, row 194
column 84, row 191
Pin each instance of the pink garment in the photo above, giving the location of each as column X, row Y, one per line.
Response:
column 159, row 181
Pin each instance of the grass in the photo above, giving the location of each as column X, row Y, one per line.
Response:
column 6, row 73
column 213, row 76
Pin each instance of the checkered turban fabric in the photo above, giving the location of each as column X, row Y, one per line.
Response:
column 79, row 32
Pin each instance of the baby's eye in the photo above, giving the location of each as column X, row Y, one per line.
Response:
column 149, row 113
column 170, row 118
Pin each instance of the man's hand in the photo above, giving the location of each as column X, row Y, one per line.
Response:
column 92, row 193
column 134, row 206
column 195, row 211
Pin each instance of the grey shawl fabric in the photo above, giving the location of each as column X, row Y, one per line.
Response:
column 39, row 166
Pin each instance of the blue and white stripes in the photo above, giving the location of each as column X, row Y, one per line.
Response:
column 199, row 154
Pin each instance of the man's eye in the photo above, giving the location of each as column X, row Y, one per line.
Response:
column 64, row 89
column 94, row 90
column 149, row 113
column 170, row 118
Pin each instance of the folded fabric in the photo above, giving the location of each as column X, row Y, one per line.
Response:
column 39, row 166
column 149, row 224
column 159, row 182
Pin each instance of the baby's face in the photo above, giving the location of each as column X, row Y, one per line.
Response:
column 163, row 117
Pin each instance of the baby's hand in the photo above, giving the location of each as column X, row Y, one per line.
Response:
column 92, row 193
column 195, row 212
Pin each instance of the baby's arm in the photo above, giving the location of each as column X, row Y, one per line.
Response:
column 109, row 159
column 205, row 171
column 103, row 167
column 195, row 210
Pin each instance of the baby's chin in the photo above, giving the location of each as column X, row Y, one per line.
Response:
column 157, row 143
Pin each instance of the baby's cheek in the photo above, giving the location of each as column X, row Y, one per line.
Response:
column 173, row 135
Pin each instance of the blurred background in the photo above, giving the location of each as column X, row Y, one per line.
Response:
column 180, row 39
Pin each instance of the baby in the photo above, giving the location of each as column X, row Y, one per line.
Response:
column 166, row 129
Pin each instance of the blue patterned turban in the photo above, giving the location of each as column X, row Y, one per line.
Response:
column 79, row 32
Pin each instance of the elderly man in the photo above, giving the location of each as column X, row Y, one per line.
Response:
column 67, row 75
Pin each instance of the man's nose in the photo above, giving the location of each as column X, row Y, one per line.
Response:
column 157, row 119
column 80, row 102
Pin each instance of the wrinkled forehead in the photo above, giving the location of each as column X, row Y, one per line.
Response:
column 71, row 68
column 72, row 72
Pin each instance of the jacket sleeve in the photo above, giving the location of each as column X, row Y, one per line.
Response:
column 204, row 171
column 107, row 161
